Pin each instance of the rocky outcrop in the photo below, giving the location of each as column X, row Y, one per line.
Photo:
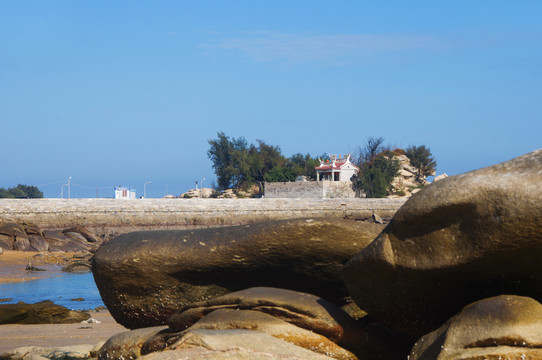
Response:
column 25, row 236
column 502, row 327
column 44, row 312
column 136, row 343
column 128, row 344
column 234, row 319
column 73, row 352
column 197, row 193
column 459, row 240
column 303, row 310
column 409, row 180
column 144, row 277
column 232, row 345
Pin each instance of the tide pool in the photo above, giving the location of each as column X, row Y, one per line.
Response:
column 60, row 287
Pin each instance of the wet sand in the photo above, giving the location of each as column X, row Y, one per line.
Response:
column 12, row 269
column 13, row 264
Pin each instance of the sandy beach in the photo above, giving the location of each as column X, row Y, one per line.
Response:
column 12, row 269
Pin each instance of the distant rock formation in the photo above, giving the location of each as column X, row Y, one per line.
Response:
column 197, row 193
column 409, row 181
column 26, row 236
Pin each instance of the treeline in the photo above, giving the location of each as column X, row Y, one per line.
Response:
column 239, row 165
column 21, row 192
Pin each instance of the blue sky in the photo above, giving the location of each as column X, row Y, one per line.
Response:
column 124, row 92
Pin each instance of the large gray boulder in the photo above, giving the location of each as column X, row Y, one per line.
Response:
column 143, row 277
column 461, row 239
column 502, row 327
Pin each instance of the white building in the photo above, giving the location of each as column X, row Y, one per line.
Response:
column 124, row 193
column 336, row 169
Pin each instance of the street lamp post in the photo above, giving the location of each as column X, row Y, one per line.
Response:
column 145, row 189
column 69, row 188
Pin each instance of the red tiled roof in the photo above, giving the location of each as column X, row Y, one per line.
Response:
column 336, row 166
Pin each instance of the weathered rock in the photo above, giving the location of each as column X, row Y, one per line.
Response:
column 144, row 277
column 21, row 243
column 127, row 344
column 77, row 266
column 502, row 327
column 61, row 242
column 26, row 236
column 6, row 242
column 305, row 311
column 82, row 241
column 44, row 312
column 440, row 177
column 71, row 352
column 232, row 344
column 458, row 240
column 37, row 243
column 11, row 228
column 229, row 319
column 87, row 234
column 31, row 228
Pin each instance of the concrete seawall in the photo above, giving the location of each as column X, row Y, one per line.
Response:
column 119, row 216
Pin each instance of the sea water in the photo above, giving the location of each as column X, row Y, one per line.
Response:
column 59, row 287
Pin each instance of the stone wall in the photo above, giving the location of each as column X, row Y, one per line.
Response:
column 338, row 189
column 117, row 216
column 294, row 190
column 309, row 190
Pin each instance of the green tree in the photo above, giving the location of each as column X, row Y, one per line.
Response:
column 239, row 165
column 420, row 157
column 221, row 155
column 21, row 192
column 263, row 159
column 377, row 169
column 281, row 174
column 5, row 194
column 375, row 177
column 303, row 165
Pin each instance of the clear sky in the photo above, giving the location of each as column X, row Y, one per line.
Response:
column 125, row 92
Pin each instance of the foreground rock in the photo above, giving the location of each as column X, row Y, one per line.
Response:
column 230, row 319
column 303, row 320
column 44, row 312
column 303, row 310
column 144, row 277
column 129, row 344
column 53, row 353
column 233, row 344
column 502, row 327
column 200, row 344
column 459, row 240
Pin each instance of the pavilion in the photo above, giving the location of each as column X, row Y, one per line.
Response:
column 336, row 169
